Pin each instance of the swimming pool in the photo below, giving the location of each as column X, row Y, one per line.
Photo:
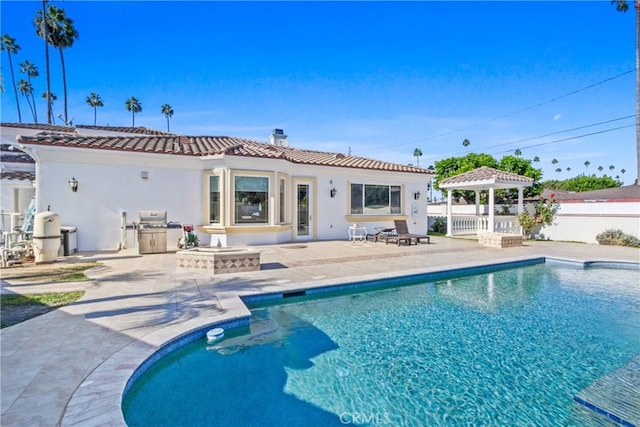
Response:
column 510, row 347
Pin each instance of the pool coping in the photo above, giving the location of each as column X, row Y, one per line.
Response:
column 98, row 399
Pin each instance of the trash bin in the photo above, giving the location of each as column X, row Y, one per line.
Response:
column 69, row 241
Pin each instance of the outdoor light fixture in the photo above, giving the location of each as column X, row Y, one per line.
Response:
column 73, row 183
column 333, row 192
column 416, row 195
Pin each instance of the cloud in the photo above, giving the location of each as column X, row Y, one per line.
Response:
column 557, row 116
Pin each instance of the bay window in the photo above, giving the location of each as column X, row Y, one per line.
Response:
column 214, row 199
column 251, row 197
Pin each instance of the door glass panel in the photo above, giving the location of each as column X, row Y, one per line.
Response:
column 303, row 210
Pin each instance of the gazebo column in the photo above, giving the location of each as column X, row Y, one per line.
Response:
column 520, row 198
column 477, row 193
column 449, row 207
column 492, row 224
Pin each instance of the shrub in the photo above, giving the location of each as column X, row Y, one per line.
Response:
column 439, row 225
column 617, row 238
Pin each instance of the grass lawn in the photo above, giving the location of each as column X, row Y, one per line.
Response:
column 16, row 308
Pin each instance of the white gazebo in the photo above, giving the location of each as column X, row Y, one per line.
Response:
column 484, row 178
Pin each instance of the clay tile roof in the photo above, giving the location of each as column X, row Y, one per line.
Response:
column 16, row 158
column 42, row 127
column 127, row 129
column 213, row 145
column 485, row 174
column 12, row 154
column 18, row 175
column 627, row 193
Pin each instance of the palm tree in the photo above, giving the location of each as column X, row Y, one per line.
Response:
column 134, row 106
column 611, row 168
column 586, row 165
column 25, row 88
column 50, row 98
column 45, row 37
column 568, row 169
column 558, row 170
column 94, row 101
column 622, row 171
column 31, row 71
column 536, row 159
column 517, row 153
column 9, row 44
column 417, row 153
column 623, row 6
column 61, row 34
column 600, row 168
column 168, row 112
column 466, row 143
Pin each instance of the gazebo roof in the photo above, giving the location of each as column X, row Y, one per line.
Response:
column 484, row 178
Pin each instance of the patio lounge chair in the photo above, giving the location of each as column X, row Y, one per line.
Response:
column 381, row 234
column 403, row 235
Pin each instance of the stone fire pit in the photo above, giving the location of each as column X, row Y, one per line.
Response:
column 218, row 260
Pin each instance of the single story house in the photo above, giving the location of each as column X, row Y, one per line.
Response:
column 234, row 190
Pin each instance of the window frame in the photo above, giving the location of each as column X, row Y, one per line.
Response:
column 211, row 219
column 250, row 206
column 359, row 205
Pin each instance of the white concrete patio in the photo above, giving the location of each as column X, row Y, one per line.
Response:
column 69, row 367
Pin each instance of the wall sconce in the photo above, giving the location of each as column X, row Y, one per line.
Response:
column 73, row 183
column 416, row 195
column 333, row 192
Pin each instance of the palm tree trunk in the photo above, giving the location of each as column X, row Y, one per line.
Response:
column 31, row 107
column 33, row 100
column 15, row 90
column 167, row 123
column 64, row 87
column 133, row 118
column 46, row 56
column 95, row 115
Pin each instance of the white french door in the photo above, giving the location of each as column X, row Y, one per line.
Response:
column 304, row 211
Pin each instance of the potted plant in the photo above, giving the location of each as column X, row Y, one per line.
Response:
column 546, row 210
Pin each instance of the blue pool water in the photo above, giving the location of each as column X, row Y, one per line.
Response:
column 510, row 347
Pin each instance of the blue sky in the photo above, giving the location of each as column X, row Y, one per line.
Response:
column 376, row 78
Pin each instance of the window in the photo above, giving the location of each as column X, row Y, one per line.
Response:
column 251, row 199
column 375, row 199
column 281, row 200
column 214, row 199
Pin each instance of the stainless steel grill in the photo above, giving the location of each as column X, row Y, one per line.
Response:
column 152, row 232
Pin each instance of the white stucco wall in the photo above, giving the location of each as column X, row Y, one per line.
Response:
column 329, row 219
column 582, row 222
column 110, row 182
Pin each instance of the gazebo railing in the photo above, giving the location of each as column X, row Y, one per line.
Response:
column 507, row 224
column 471, row 224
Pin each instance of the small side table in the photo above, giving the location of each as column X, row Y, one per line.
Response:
column 357, row 232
